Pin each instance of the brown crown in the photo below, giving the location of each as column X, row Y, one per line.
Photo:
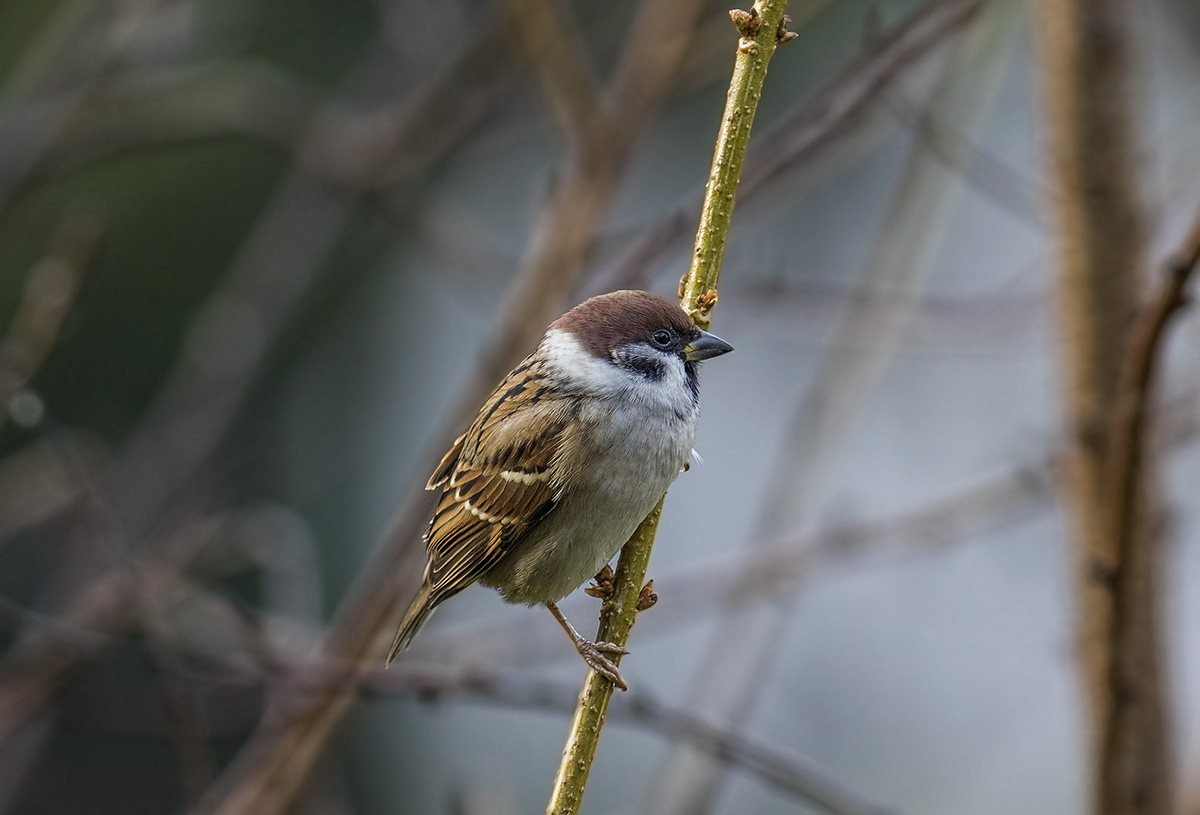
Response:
column 610, row 320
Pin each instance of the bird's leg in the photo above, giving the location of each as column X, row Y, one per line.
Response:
column 592, row 652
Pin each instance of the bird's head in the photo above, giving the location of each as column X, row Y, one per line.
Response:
column 630, row 339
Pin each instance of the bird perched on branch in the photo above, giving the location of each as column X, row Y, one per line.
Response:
column 565, row 459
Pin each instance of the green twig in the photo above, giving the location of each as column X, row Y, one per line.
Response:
column 762, row 28
column 616, row 621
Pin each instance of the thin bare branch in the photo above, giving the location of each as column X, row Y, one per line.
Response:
column 1136, row 392
column 67, row 57
column 1088, row 101
column 803, row 132
column 545, row 33
column 197, row 764
column 762, row 29
column 790, row 774
column 201, row 398
column 50, row 291
column 803, row 556
column 1126, row 475
column 997, row 180
column 271, row 769
column 896, row 270
column 740, row 650
column 37, row 664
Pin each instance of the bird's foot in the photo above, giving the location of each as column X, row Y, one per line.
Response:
column 593, row 654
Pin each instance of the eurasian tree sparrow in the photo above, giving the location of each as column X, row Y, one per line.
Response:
column 565, row 459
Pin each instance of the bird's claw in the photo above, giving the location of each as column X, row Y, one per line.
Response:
column 593, row 655
column 610, row 647
column 593, row 652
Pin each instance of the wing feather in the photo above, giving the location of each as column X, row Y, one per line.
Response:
column 497, row 481
column 446, row 467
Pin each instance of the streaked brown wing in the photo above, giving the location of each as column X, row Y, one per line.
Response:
column 445, row 468
column 497, row 481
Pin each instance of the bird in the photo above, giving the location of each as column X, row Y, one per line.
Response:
column 565, row 459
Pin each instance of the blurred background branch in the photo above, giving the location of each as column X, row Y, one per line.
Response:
column 762, row 28
column 49, row 292
column 257, row 258
column 1087, row 61
column 747, row 638
column 272, row 768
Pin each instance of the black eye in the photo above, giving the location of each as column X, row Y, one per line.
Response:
column 662, row 338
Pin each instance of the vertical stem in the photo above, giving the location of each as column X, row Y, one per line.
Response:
column 1085, row 60
column 761, row 28
column 616, row 621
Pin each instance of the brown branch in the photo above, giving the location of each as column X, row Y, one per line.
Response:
column 356, row 151
column 230, row 673
column 196, row 763
column 555, row 50
column 948, row 521
column 383, row 147
column 271, row 769
column 1088, row 104
column 278, row 262
column 1126, row 474
column 1128, row 435
column 573, row 213
column 38, row 663
column 956, row 324
column 790, row 774
column 803, row 132
column 781, row 565
column 196, row 407
column 995, row 178
column 33, row 488
column 762, row 29
column 198, row 403
column 739, row 652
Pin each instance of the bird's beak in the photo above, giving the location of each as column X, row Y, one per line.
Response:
column 706, row 347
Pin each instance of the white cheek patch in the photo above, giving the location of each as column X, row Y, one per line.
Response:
column 572, row 365
column 575, row 366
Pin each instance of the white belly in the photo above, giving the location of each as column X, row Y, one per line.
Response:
column 630, row 464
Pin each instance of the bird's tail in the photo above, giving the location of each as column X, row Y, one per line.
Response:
column 417, row 614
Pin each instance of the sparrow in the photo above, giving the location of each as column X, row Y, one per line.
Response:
column 565, row 459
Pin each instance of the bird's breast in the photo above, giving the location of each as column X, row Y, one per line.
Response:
column 613, row 466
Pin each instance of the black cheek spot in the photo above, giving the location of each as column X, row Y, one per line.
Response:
column 650, row 368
